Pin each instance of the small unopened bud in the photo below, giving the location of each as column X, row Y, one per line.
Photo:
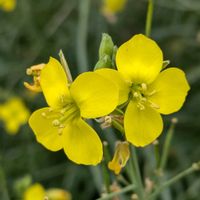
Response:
column 104, row 62
column 34, row 71
column 106, row 46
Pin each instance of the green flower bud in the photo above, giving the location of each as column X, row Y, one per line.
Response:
column 106, row 46
column 104, row 62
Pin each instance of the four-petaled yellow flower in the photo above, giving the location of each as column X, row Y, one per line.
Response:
column 14, row 114
column 149, row 90
column 62, row 125
column 121, row 156
column 8, row 5
column 38, row 192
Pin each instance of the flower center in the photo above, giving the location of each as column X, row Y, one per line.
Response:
column 60, row 117
column 141, row 94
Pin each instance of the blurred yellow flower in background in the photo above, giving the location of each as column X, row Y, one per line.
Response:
column 62, row 125
column 111, row 7
column 8, row 5
column 38, row 192
column 14, row 114
column 151, row 91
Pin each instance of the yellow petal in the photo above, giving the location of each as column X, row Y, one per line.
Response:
column 171, row 89
column 116, row 77
column 46, row 133
column 142, row 126
column 54, row 84
column 81, row 143
column 95, row 95
column 139, row 59
column 34, row 192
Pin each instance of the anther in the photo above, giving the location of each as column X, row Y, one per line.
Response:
column 144, row 86
column 140, row 106
column 56, row 122
column 135, row 94
column 60, row 131
column 43, row 114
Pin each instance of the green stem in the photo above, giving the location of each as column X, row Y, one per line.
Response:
column 82, row 31
column 3, row 185
column 167, row 145
column 149, row 17
column 193, row 168
column 156, row 153
column 137, row 175
column 118, row 126
column 122, row 191
column 106, row 175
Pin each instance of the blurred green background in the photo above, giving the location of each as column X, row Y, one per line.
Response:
column 38, row 29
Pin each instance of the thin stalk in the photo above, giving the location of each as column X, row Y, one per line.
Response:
column 156, row 153
column 66, row 66
column 137, row 175
column 167, row 145
column 193, row 168
column 106, row 175
column 118, row 126
column 3, row 185
column 149, row 17
column 122, row 191
column 82, row 31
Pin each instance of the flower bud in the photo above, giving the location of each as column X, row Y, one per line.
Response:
column 106, row 46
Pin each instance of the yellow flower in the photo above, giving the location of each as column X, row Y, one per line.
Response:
column 120, row 158
column 37, row 192
column 14, row 114
column 34, row 192
column 62, row 125
column 113, row 6
column 151, row 91
column 8, row 5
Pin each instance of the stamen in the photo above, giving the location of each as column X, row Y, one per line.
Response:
column 108, row 119
column 43, row 114
column 135, row 94
column 140, row 106
column 144, row 86
column 56, row 122
column 151, row 93
column 153, row 105
column 60, row 131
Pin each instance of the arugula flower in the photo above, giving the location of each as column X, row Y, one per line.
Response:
column 62, row 124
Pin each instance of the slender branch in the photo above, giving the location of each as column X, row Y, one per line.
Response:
column 82, row 31
column 122, row 191
column 66, row 66
column 136, row 170
column 3, row 185
column 149, row 17
column 167, row 145
column 193, row 168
